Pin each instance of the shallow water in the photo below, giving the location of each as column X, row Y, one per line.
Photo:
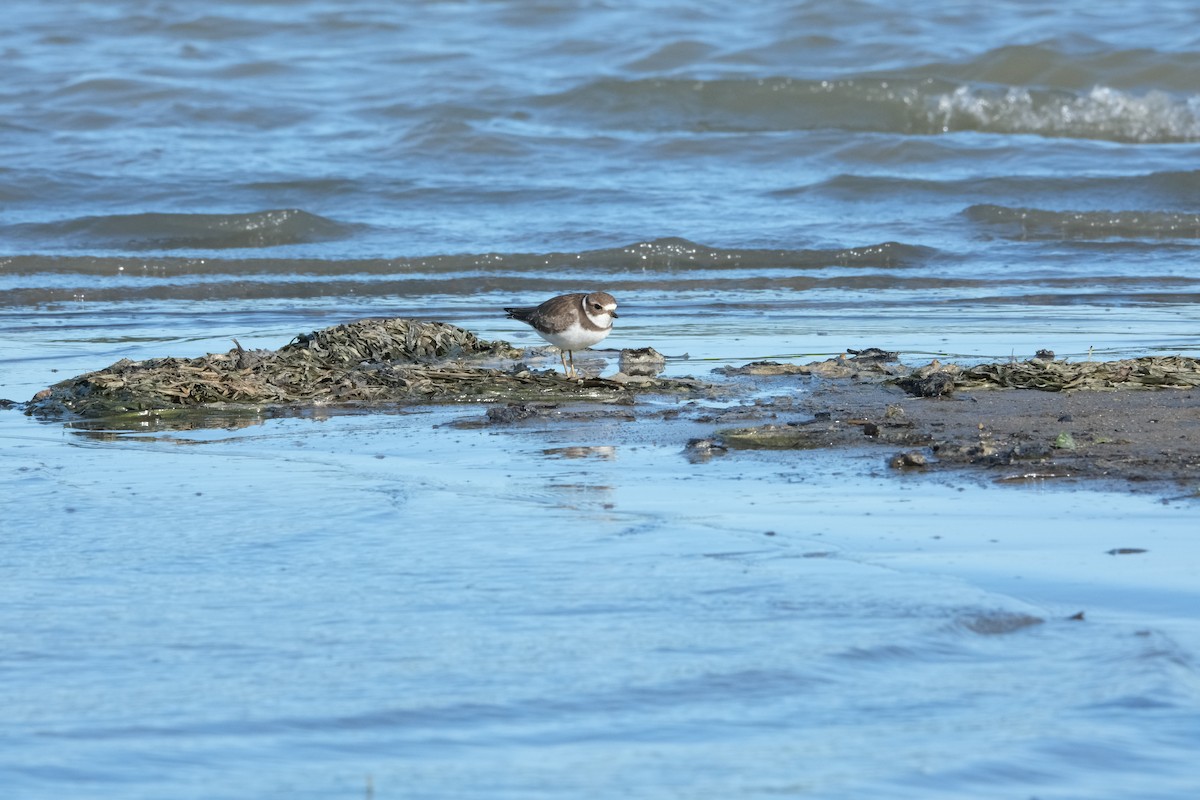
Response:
column 305, row 605
column 387, row 605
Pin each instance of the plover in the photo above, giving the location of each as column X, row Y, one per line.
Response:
column 570, row 322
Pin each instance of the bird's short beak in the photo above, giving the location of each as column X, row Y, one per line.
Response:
column 612, row 314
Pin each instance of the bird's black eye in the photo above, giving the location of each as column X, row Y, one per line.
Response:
column 596, row 306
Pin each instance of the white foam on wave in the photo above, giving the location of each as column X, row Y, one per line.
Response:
column 1102, row 113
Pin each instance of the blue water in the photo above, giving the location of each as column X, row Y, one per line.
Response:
column 301, row 607
column 387, row 605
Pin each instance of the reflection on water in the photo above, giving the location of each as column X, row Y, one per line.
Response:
column 605, row 452
column 183, row 419
column 644, row 361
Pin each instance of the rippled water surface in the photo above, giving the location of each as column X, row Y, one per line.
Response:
column 392, row 606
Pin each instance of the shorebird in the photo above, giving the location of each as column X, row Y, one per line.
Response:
column 570, row 322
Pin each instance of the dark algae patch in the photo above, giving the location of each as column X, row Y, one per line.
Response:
column 367, row 362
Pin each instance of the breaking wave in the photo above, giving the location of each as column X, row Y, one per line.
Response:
column 1101, row 113
column 906, row 105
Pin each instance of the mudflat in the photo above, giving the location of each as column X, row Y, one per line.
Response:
column 1121, row 429
column 1136, row 421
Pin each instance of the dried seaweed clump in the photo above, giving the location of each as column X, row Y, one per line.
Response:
column 937, row 379
column 1148, row 372
column 391, row 340
column 366, row 361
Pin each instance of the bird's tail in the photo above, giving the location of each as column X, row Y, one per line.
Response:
column 521, row 314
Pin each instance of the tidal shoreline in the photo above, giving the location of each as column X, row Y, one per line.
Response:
column 1136, row 439
column 1135, row 422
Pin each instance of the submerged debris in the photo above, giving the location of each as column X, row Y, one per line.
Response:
column 912, row 458
column 370, row 361
column 998, row 623
column 700, row 450
column 788, row 436
column 514, row 412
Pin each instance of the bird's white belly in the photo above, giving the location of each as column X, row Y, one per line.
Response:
column 575, row 337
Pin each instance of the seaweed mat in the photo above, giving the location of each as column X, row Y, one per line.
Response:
column 369, row 361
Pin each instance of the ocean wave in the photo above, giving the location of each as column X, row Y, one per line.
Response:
column 1100, row 113
column 867, row 292
column 1167, row 188
column 162, row 231
column 906, row 105
column 676, row 253
column 1034, row 223
column 666, row 255
column 1073, row 66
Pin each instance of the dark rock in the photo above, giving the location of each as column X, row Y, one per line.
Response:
column 913, row 458
column 513, row 412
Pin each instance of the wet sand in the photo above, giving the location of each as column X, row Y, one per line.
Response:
column 1134, row 439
